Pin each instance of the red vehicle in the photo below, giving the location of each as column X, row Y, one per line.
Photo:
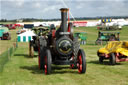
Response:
column 12, row 26
column 6, row 36
column 17, row 25
column 79, row 23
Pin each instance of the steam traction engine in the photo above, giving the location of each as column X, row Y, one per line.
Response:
column 40, row 31
column 59, row 47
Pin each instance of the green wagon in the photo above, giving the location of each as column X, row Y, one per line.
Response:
column 82, row 37
column 105, row 36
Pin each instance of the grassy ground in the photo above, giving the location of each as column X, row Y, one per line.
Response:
column 7, row 22
column 23, row 70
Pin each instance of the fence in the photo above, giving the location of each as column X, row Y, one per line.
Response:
column 5, row 57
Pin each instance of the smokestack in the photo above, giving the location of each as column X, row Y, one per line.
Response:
column 64, row 19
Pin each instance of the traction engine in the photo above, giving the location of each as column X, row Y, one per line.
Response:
column 60, row 47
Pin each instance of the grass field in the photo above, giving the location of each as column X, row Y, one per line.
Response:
column 5, row 44
column 23, row 70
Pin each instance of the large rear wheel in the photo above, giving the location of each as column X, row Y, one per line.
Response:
column 48, row 62
column 81, row 61
column 42, row 52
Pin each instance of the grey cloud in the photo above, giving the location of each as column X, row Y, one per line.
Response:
column 13, row 9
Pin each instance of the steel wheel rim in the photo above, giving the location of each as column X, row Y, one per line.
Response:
column 80, row 64
column 45, row 66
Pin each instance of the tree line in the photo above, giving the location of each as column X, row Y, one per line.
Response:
column 56, row 19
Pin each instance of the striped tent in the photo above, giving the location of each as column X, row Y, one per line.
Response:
column 26, row 36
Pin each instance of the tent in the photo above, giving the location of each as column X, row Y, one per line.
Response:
column 92, row 23
column 26, row 36
column 79, row 23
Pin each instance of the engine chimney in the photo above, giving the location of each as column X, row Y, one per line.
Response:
column 64, row 19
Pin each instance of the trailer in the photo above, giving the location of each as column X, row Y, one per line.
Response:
column 115, row 51
column 105, row 36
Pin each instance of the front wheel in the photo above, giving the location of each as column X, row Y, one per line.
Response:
column 48, row 62
column 112, row 59
column 81, row 61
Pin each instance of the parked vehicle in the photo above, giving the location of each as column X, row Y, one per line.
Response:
column 105, row 36
column 115, row 51
column 59, row 47
column 107, row 28
column 82, row 36
column 34, row 44
column 4, row 33
column 10, row 26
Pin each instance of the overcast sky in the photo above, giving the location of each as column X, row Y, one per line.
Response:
column 48, row 9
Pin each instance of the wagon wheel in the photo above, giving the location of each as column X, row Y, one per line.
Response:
column 48, row 62
column 42, row 52
column 31, row 49
column 41, row 58
column 81, row 61
column 112, row 59
column 101, row 59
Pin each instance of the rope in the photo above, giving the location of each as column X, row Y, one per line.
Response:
column 69, row 11
column 68, row 17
